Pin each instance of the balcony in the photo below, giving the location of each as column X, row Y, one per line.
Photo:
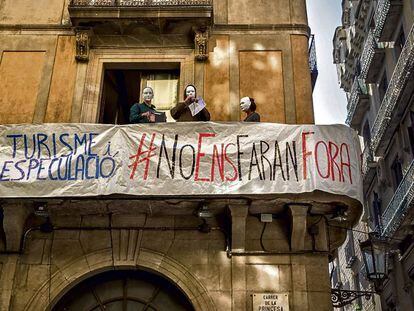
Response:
column 358, row 103
column 396, row 98
column 386, row 16
column 400, row 204
column 372, row 58
column 141, row 12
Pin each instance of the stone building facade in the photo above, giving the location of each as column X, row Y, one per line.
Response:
column 374, row 54
column 86, row 61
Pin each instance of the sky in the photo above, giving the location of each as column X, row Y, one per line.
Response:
column 329, row 100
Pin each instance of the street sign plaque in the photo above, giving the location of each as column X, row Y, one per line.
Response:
column 271, row 302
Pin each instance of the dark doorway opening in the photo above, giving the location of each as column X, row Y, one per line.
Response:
column 124, row 290
column 123, row 85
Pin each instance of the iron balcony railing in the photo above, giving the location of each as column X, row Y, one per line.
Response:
column 370, row 45
column 313, row 64
column 138, row 3
column 356, row 91
column 399, row 78
column 367, row 53
column 380, row 15
column 400, row 203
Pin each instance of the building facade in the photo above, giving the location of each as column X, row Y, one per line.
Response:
column 374, row 55
column 86, row 62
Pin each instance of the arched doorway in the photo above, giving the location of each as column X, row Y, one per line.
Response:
column 124, row 290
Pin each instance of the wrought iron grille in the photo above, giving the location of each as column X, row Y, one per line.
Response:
column 398, row 207
column 356, row 91
column 399, row 78
column 380, row 15
column 139, row 3
column 313, row 65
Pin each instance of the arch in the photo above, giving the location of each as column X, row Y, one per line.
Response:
column 72, row 274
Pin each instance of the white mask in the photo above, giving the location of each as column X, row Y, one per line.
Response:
column 147, row 94
column 190, row 91
column 245, row 103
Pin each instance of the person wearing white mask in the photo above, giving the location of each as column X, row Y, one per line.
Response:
column 187, row 110
column 248, row 105
column 143, row 112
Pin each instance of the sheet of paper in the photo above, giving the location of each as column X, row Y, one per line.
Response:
column 196, row 107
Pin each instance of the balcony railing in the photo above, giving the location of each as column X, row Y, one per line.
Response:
column 386, row 11
column 400, row 77
column 400, row 203
column 138, row 3
column 143, row 13
column 367, row 53
column 372, row 56
column 358, row 93
column 313, row 65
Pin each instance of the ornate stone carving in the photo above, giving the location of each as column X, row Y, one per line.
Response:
column 201, row 44
column 82, row 45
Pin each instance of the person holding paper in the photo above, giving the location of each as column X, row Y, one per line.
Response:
column 145, row 112
column 192, row 109
column 248, row 105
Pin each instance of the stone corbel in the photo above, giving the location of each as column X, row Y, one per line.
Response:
column 14, row 219
column 298, row 215
column 83, row 36
column 238, row 226
column 201, row 44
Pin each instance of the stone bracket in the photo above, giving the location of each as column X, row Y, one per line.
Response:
column 14, row 219
column 83, row 38
column 201, row 43
column 298, row 215
column 238, row 226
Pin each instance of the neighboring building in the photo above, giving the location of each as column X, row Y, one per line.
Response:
column 85, row 62
column 374, row 54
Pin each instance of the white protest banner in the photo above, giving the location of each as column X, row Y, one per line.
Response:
column 178, row 159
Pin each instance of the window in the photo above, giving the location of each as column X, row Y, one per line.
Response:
column 397, row 173
column 358, row 288
column 399, row 44
column 410, row 130
column 376, row 208
column 335, row 277
column 390, row 304
column 383, row 85
column 350, row 250
column 122, row 87
column 366, row 134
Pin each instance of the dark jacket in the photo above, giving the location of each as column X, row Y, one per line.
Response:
column 254, row 117
column 182, row 113
column 136, row 111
